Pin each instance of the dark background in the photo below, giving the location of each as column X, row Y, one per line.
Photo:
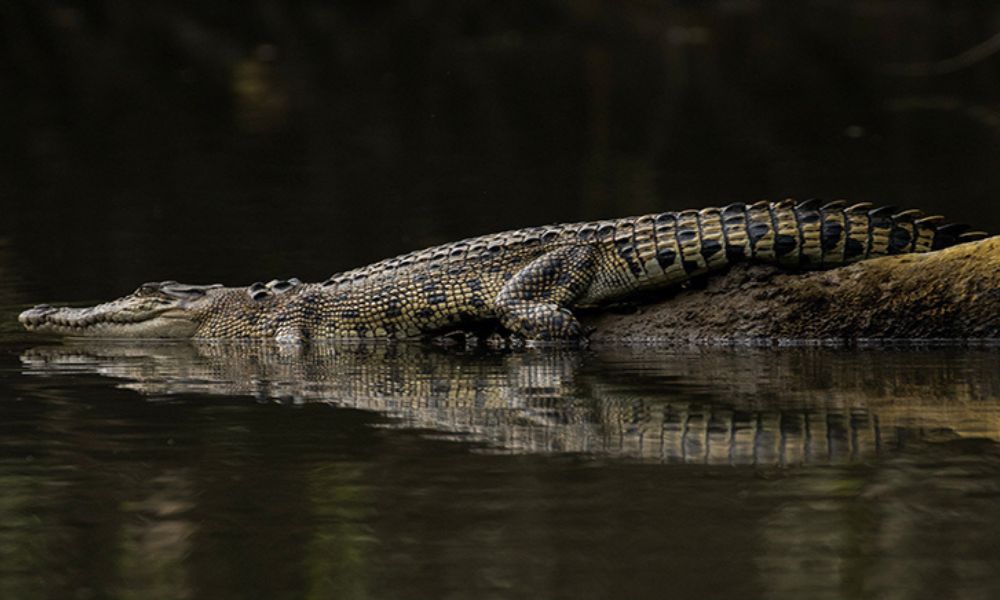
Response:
column 205, row 140
column 234, row 141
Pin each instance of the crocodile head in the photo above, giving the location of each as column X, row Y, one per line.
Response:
column 166, row 309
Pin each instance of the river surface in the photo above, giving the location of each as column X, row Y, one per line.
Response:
column 402, row 471
column 228, row 142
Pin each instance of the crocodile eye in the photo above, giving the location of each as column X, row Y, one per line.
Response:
column 147, row 289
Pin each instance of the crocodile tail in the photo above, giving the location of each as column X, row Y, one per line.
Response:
column 813, row 235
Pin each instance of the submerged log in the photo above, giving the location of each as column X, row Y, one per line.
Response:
column 952, row 294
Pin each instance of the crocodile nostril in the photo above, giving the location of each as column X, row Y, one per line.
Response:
column 28, row 317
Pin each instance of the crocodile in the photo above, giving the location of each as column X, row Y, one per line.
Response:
column 530, row 280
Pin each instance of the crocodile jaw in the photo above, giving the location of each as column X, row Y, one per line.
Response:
column 156, row 310
column 97, row 322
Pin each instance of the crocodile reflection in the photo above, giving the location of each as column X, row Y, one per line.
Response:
column 698, row 406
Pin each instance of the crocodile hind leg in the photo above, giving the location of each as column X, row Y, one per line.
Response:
column 533, row 302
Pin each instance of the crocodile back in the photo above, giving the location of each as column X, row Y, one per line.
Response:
column 647, row 251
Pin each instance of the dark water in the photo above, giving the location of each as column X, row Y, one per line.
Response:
column 241, row 470
column 234, row 142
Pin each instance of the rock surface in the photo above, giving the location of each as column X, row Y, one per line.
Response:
column 951, row 294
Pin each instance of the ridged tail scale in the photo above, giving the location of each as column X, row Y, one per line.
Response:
column 806, row 234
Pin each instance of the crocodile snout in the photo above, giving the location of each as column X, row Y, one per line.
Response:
column 34, row 316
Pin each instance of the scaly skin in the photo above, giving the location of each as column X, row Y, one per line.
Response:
column 530, row 279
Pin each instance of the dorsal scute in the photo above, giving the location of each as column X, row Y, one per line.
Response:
column 882, row 212
column 260, row 291
column 737, row 208
column 908, row 216
column 809, row 204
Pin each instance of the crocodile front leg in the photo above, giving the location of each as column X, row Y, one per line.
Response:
column 533, row 302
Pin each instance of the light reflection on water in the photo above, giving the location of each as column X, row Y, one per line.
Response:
column 187, row 470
